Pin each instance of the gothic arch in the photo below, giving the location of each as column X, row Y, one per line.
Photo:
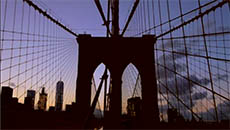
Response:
column 130, row 80
column 116, row 53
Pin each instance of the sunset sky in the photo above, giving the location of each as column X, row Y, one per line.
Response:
column 82, row 17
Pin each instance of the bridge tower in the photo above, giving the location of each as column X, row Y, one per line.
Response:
column 116, row 53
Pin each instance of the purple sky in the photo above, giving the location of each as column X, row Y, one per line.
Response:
column 82, row 16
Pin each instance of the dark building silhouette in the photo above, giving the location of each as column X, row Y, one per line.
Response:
column 7, row 94
column 68, row 107
column 52, row 108
column 14, row 101
column 7, row 101
column 134, row 107
column 42, row 100
column 59, row 96
column 15, row 115
column 174, row 116
column 31, row 93
column 29, row 100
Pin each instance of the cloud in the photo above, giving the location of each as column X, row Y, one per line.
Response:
column 170, row 74
column 176, row 44
column 182, row 85
column 222, row 110
column 222, row 77
column 202, row 81
column 184, row 91
column 199, row 95
column 183, row 111
column 169, row 57
column 172, row 62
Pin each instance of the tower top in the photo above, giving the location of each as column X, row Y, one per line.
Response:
column 43, row 90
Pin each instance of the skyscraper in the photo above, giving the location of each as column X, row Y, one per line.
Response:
column 42, row 100
column 31, row 93
column 6, row 95
column 134, row 107
column 29, row 100
column 59, row 96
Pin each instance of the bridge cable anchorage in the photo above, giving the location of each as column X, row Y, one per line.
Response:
column 30, row 3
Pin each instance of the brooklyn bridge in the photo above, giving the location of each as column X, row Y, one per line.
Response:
column 115, row 64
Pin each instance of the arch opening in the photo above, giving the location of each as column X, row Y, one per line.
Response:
column 131, row 91
column 95, row 82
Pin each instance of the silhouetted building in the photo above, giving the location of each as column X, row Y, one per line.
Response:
column 59, row 96
column 6, row 95
column 52, row 108
column 134, row 107
column 29, row 100
column 31, row 93
column 174, row 116
column 68, row 108
column 14, row 100
column 71, row 107
column 42, row 100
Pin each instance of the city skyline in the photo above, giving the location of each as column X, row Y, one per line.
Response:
column 192, row 61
